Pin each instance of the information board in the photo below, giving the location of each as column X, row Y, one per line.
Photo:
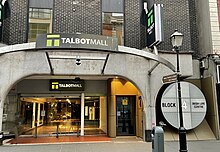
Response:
column 194, row 105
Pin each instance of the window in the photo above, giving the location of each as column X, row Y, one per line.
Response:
column 37, row 28
column 113, row 19
column 40, row 13
column 40, row 22
column 218, row 73
column 113, row 25
column 218, row 7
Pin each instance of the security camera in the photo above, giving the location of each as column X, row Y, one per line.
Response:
column 78, row 61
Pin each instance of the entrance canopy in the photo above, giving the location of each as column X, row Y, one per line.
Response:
column 56, row 42
column 121, row 49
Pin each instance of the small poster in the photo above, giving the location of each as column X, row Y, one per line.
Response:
column 118, row 113
column 86, row 110
column 124, row 102
column 43, row 113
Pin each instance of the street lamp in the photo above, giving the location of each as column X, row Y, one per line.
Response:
column 176, row 40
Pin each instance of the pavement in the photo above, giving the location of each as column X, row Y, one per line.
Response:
column 115, row 145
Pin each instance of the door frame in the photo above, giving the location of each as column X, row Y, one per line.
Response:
column 134, row 115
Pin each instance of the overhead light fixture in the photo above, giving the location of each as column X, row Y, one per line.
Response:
column 68, row 100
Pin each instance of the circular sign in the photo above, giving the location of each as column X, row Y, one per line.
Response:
column 193, row 105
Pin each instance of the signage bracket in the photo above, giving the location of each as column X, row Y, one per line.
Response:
column 49, row 62
column 156, row 64
column 106, row 60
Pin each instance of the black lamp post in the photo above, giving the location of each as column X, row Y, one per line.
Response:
column 176, row 40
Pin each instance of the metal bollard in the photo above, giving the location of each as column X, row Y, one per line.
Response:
column 157, row 139
column 35, row 129
column 78, row 133
column 57, row 130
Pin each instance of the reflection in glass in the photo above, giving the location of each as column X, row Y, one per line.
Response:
column 113, row 25
column 40, row 22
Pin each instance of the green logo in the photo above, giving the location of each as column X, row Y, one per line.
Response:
column 53, row 40
column 55, row 86
column 150, row 18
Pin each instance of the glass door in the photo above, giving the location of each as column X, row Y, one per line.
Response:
column 125, row 116
column 64, row 113
column 92, row 112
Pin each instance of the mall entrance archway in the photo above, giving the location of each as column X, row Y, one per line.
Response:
column 131, row 64
column 93, row 111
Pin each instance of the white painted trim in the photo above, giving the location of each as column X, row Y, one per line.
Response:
column 82, row 114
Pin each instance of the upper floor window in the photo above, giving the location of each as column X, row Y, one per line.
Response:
column 40, row 22
column 113, row 19
column 40, row 13
column 218, row 6
column 113, row 25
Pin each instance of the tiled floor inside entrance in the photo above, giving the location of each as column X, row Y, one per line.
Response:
column 63, row 130
column 60, row 139
column 52, row 134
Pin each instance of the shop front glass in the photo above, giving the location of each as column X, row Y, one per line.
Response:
column 59, row 115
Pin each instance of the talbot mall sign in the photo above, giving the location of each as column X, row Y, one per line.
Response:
column 67, row 85
column 194, row 105
column 77, row 41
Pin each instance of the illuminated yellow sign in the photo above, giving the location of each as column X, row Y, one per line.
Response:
column 124, row 102
column 66, row 85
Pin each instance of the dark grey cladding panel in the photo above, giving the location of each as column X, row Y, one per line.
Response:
column 112, row 6
column 176, row 16
column 15, row 27
column 82, row 16
column 41, row 3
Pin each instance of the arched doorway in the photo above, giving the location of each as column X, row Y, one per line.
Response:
column 106, row 106
column 20, row 64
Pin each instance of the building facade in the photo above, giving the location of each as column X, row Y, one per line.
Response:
column 119, row 90
column 208, row 57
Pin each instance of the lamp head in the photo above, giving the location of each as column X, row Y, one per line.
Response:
column 176, row 39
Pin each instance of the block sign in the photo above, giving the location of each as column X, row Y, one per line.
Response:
column 194, row 105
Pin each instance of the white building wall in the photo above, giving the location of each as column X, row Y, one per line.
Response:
column 214, row 26
column 204, row 27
